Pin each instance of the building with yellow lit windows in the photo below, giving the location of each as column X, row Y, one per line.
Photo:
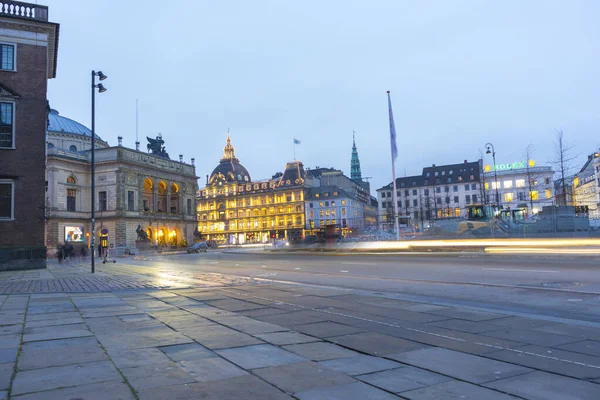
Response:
column 234, row 209
column 520, row 184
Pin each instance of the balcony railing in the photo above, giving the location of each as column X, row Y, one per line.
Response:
column 23, row 10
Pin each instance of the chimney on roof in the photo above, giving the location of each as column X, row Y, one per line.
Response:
column 433, row 165
column 120, row 139
column 465, row 161
column 193, row 161
column 137, row 146
column 181, row 158
column 207, row 180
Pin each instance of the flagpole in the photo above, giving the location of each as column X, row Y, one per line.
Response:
column 294, row 149
column 394, row 153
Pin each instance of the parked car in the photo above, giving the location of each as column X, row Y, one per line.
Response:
column 197, row 247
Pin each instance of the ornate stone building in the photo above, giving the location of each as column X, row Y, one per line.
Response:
column 134, row 189
column 234, row 209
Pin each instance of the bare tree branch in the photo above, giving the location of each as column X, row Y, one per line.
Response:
column 563, row 160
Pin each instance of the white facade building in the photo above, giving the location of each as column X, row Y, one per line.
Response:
column 333, row 206
column 440, row 192
column 520, row 185
column 586, row 186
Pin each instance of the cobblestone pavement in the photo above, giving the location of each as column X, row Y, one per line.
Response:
column 277, row 341
column 75, row 277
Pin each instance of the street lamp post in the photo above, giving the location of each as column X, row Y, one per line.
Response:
column 493, row 153
column 101, row 89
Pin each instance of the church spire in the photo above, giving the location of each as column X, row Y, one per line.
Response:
column 228, row 151
column 355, row 173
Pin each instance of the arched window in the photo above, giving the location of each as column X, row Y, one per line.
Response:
column 50, row 145
column 72, row 148
column 72, row 180
column 148, row 195
column 175, row 198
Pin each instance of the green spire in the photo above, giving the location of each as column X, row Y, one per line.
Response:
column 355, row 173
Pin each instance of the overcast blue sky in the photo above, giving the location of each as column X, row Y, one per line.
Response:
column 461, row 73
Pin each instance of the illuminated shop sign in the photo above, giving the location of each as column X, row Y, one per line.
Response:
column 506, row 167
column 74, row 234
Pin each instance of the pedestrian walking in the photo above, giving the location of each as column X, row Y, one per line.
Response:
column 59, row 253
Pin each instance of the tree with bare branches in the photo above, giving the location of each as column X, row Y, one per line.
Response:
column 530, row 178
column 563, row 160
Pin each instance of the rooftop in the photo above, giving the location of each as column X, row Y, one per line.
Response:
column 19, row 9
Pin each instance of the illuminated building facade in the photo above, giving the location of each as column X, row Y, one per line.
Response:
column 236, row 210
column 521, row 184
column 586, row 186
column 440, row 192
column 133, row 189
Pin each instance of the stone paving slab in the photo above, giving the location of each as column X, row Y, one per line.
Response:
column 241, row 388
column 376, row 343
column 64, row 376
column 548, row 359
column 320, row 351
column 462, row 366
column 283, row 338
column 137, row 357
column 303, row 376
column 55, row 332
column 403, row 379
column 455, row 390
column 211, row 369
column 532, row 337
column 113, row 390
column 591, row 347
column 361, row 364
column 327, row 329
column 187, row 352
column 11, row 329
column 9, row 341
column 352, row 391
column 465, row 326
column 6, row 371
column 544, row 386
column 54, row 353
column 259, row 356
column 156, row 375
column 8, row 355
column 220, row 337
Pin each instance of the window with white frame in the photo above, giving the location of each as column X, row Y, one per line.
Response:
column 7, row 57
column 7, row 200
column 7, row 125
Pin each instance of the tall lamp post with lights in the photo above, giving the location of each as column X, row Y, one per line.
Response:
column 493, row 153
column 101, row 89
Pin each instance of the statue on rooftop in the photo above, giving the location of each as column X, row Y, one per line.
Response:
column 156, row 146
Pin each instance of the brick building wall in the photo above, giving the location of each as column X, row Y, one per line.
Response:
column 22, row 237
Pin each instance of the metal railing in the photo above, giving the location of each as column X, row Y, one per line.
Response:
column 19, row 9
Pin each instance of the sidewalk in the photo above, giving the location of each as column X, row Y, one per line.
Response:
column 276, row 341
